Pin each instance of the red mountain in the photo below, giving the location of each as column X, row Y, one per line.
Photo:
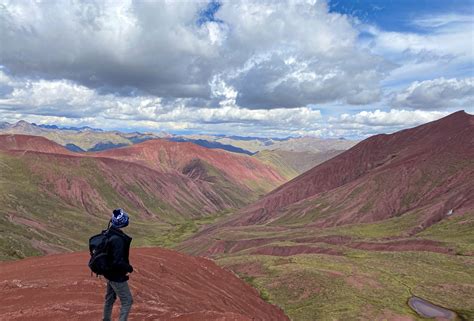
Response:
column 429, row 168
column 31, row 143
column 166, row 286
column 166, row 156
column 52, row 198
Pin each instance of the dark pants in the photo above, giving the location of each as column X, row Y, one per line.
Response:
column 121, row 290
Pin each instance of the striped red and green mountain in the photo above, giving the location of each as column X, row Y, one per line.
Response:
column 51, row 199
column 392, row 189
column 192, row 159
column 429, row 168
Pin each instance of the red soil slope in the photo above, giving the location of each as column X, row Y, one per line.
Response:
column 429, row 167
column 166, row 286
column 31, row 143
column 164, row 155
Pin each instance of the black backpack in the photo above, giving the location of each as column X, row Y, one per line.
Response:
column 98, row 247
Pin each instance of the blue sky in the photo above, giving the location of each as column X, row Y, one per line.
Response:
column 259, row 68
column 207, row 14
column 398, row 15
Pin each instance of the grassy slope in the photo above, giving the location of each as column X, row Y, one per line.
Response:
column 357, row 284
column 360, row 284
column 21, row 197
column 291, row 163
column 278, row 162
column 457, row 231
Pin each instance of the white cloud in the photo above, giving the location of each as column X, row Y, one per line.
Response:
column 437, row 94
column 64, row 99
column 153, row 46
column 442, row 49
column 394, row 118
column 42, row 92
column 303, row 55
column 444, row 35
column 149, row 113
column 442, row 20
column 160, row 49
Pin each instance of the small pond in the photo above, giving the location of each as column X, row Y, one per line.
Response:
column 427, row 309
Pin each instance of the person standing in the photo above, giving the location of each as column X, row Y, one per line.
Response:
column 117, row 276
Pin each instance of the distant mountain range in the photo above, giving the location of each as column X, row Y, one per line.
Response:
column 297, row 144
column 90, row 137
column 291, row 155
column 78, row 139
column 212, row 144
column 83, row 128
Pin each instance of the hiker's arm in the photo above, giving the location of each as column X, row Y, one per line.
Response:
column 118, row 262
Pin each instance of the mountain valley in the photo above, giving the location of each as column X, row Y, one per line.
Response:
column 356, row 236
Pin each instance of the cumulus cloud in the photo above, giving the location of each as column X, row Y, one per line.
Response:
column 304, row 55
column 65, row 99
column 395, row 118
column 371, row 122
column 273, row 55
column 64, row 102
column 151, row 46
column 436, row 94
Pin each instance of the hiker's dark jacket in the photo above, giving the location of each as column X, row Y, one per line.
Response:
column 118, row 249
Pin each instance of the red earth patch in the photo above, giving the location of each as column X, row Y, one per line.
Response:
column 166, row 285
